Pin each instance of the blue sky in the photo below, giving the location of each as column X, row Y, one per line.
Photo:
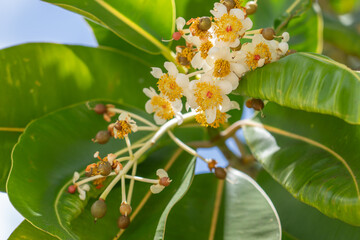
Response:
column 24, row 21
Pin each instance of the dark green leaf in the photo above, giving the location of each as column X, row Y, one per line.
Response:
column 39, row 78
column 313, row 156
column 344, row 37
column 242, row 210
column 301, row 221
column 306, row 31
column 106, row 38
column 142, row 24
column 26, row 231
column 309, row 82
column 296, row 8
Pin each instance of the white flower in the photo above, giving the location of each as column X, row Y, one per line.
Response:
column 163, row 108
column 164, row 181
column 124, row 126
column 224, row 66
column 257, row 53
column 229, row 27
column 209, row 95
column 171, row 84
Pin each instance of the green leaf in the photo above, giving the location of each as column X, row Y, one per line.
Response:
column 39, row 78
column 106, row 38
column 344, row 37
column 313, row 156
column 296, row 9
column 142, row 24
column 26, row 231
column 342, row 7
column 55, row 146
column 309, row 82
column 234, row 209
column 301, row 221
column 306, row 31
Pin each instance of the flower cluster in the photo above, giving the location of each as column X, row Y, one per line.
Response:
column 220, row 50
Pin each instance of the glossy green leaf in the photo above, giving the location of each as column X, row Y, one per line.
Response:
column 242, row 208
column 39, row 78
column 55, row 146
column 306, row 31
column 141, row 24
column 301, row 221
column 296, row 9
column 313, row 156
column 344, row 37
column 309, row 82
column 106, row 38
column 26, row 231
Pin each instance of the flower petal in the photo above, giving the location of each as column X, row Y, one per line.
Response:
column 156, row 188
column 171, row 68
column 156, row 72
column 180, row 23
column 161, row 173
column 210, row 115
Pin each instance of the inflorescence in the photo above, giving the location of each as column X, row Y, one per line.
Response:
column 221, row 49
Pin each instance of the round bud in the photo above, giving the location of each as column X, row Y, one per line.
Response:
column 125, row 209
column 249, row 103
column 268, row 33
column 164, row 181
column 104, row 168
column 118, row 126
column 183, row 61
column 238, row 48
column 204, row 23
column 251, row 7
column 220, row 173
column 123, row 221
column 176, row 35
column 229, row 4
column 257, row 104
column 102, row 137
column 98, row 209
column 100, row 108
column 71, row 189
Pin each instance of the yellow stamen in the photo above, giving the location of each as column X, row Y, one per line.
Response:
column 227, row 28
column 261, row 51
column 168, row 86
column 220, row 119
column 186, row 53
column 162, row 107
column 204, row 49
column 207, row 95
column 221, row 68
column 122, row 129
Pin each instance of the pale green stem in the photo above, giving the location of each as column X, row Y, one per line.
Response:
column 168, row 125
column 140, row 179
column 144, row 128
column 185, row 147
column 132, row 183
column 123, row 190
column 195, row 73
